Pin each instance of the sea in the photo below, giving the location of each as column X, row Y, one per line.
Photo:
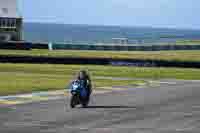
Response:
column 92, row 34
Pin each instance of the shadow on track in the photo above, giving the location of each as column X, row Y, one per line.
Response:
column 111, row 107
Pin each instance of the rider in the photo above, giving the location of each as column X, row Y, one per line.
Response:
column 84, row 78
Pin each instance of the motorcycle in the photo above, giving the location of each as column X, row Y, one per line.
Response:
column 79, row 95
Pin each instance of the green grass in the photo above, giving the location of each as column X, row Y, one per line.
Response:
column 187, row 56
column 24, row 78
column 188, row 42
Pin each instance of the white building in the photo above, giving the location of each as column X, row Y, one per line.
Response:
column 10, row 21
column 120, row 40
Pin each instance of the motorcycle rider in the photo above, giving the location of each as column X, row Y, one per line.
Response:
column 85, row 81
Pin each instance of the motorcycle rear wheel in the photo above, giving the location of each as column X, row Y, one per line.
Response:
column 85, row 103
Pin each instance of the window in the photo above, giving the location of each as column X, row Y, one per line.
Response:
column 13, row 22
column 9, row 23
column 0, row 22
column 3, row 23
column 5, row 10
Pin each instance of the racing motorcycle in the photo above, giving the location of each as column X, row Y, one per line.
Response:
column 79, row 95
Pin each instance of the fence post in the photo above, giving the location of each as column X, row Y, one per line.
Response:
column 50, row 46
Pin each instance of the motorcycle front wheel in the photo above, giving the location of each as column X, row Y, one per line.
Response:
column 73, row 101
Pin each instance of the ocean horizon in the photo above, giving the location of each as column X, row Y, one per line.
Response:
column 90, row 34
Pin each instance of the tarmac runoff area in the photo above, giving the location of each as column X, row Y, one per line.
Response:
column 165, row 106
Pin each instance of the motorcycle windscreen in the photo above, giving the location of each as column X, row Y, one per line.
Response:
column 83, row 92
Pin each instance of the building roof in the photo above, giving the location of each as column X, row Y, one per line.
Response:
column 8, row 9
column 119, row 38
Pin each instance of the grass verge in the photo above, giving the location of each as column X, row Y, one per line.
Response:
column 188, row 42
column 24, row 78
column 187, row 56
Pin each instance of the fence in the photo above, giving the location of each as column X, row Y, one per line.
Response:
column 104, row 47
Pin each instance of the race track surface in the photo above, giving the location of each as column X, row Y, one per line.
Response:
column 173, row 106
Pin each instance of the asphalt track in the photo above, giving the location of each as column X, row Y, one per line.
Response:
column 173, row 106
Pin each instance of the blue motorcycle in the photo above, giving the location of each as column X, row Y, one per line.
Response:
column 79, row 95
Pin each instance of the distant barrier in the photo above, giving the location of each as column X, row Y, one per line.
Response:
column 16, row 46
column 104, row 47
column 39, row 46
column 22, row 45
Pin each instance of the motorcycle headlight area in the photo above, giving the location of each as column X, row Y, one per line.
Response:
column 73, row 92
column 75, row 87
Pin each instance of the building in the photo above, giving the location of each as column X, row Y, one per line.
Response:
column 120, row 40
column 10, row 21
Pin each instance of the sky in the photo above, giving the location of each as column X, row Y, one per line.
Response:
column 148, row 13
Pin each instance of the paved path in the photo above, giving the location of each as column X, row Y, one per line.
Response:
column 172, row 106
